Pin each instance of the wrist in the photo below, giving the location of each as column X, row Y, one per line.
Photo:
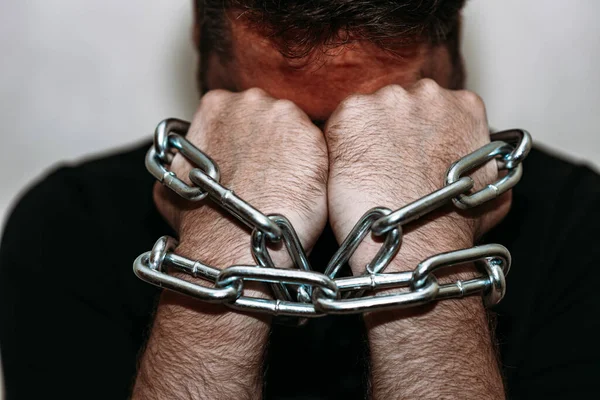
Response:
column 217, row 317
column 200, row 347
column 210, row 235
column 226, row 255
column 211, row 238
column 422, row 241
column 439, row 337
column 434, row 235
column 219, row 240
column 438, row 233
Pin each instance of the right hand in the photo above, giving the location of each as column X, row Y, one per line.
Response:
column 270, row 154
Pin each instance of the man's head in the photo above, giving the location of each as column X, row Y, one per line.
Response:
column 317, row 52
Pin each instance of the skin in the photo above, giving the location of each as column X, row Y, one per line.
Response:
column 438, row 351
column 198, row 350
column 318, row 84
column 381, row 116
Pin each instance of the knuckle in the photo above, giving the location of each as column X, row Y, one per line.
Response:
column 426, row 87
column 254, row 94
column 286, row 113
column 472, row 100
column 393, row 90
column 287, row 107
column 214, row 97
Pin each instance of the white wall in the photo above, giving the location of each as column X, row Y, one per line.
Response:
column 536, row 64
column 78, row 77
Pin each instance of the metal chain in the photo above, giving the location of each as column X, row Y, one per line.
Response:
column 304, row 293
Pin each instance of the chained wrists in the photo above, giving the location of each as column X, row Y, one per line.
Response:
column 301, row 291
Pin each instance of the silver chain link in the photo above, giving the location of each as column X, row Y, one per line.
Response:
column 304, row 293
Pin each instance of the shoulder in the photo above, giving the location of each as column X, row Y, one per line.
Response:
column 554, row 196
column 556, row 207
column 83, row 207
column 554, row 214
column 551, row 233
column 83, row 190
column 550, row 175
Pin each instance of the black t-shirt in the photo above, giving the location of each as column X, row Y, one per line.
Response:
column 74, row 318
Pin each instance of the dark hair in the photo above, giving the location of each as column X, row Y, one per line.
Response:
column 298, row 27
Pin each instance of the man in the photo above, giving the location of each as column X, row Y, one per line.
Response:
column 318, row 111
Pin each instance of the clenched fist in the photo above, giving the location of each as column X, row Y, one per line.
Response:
column 393, row 147
column 270, row 154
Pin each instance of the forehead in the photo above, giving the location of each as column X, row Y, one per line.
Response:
column 320, row 83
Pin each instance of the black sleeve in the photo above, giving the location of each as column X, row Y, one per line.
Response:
column 561, row 358
column 64, row 331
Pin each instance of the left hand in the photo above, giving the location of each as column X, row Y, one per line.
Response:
column 393, row 147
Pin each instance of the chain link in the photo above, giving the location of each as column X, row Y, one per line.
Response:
column 304, row 293
column 237, row 207
column 168, row 139
column 295, row 251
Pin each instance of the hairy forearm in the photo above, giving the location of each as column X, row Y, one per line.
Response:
column 444, row 350
column 200, row 350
